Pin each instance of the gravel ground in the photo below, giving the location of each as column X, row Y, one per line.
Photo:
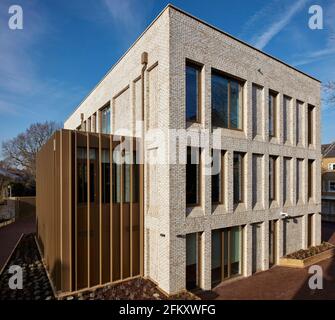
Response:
column 36, row 285
column 136, row 289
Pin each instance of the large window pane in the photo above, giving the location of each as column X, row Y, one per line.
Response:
column 235, row 106
column 238, row 178
column 272, row 178
column 191, row 260
column 216, row 256
column 192, row 178
column 272, row 114
column 226, row 102
column 235, row 250
column 192, row 92
column 219, row 101
column 106, row 120
column 217, row 179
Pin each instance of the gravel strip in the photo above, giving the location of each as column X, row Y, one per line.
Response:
column 136, row 289
column 35, row 285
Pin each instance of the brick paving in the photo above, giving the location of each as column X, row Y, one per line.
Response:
column 280, row 283
column 9, row 235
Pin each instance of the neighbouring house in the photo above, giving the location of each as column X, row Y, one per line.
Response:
column 328, row 182
column 174, row 222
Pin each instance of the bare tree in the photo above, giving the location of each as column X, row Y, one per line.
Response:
column 20, row 152
column 329, row 89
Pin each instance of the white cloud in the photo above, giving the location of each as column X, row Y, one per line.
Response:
column 329, row 49
column 125, row 12
column 278, row 25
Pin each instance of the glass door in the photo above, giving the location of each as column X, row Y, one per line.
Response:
column 193, row 260
column 272, row 242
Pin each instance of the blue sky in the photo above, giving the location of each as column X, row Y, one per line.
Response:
column 67, row 46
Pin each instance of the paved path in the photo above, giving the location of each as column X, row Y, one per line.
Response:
column 280, row 283
column 9, row 235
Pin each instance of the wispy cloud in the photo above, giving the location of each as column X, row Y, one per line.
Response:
column 278, row 25
column 125, row 12
column 329, row 49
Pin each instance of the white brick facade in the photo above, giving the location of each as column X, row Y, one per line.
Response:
column 171, row 39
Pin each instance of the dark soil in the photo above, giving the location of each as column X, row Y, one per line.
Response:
column 36, row 285
column 136, row 289
column 310, row 252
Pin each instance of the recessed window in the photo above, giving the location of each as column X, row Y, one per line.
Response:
column 193, row 92
column 272, row 178
column 331, row 187
column 106, row 120
column 227, row 96
column 331, row 166
column 193, row 177
column 238, row 177
column 310, row 121
column 218, row 177
column 310, row 178
column 272, row 113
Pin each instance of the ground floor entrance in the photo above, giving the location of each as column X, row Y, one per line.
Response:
column 226, row 254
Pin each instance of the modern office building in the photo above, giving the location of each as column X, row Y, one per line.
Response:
column 179, row 225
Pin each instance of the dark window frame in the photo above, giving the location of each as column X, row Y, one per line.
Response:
column 198, row 67
column 241, row 84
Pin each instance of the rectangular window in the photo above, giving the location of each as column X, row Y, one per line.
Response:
column 288, row 179
column 310, row 178
column 287, row 115
column 238, row 177
column 299, row 179
column 193, row 177
column 227, row 100
column 106, row 120
column 193, row 92
column 331, row 187
column 272, row 113
column 272, row 178
column 226, row 254
column 310, row 121
column 193, row 260
column 218, row 177
column 94, row 122
column 299, row 121
column 331, row 166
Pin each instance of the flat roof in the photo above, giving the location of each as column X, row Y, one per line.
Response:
column 203, row 22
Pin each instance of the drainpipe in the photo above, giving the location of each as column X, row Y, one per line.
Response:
column 144, row 62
